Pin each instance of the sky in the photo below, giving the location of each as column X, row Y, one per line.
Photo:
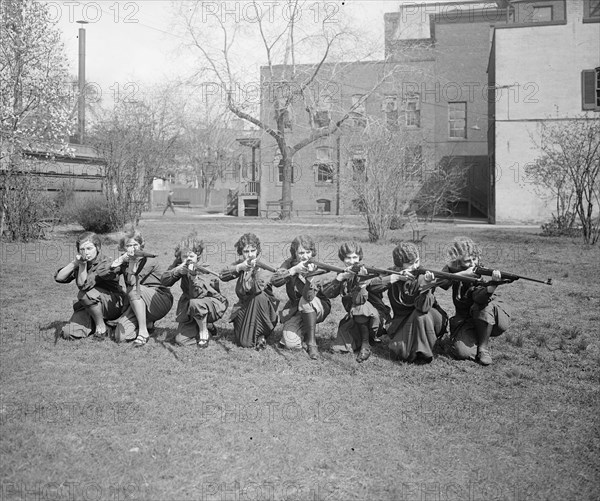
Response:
column 132, row 44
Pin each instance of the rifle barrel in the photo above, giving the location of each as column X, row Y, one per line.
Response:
column 480, row 270
column 449, row 276
column 327, row 267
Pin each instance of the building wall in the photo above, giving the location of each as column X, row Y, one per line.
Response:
column 355, row 78
column 463, row 42
column 538, row 80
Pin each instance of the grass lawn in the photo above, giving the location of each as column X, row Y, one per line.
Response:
column 88, row 420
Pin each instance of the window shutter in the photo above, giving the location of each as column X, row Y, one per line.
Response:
column 588, row 89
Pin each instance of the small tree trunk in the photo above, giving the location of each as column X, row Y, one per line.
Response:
column 286, row 188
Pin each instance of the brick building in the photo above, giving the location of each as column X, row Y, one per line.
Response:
column 434, row 87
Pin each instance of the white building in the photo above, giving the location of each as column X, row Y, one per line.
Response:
column 544, row 67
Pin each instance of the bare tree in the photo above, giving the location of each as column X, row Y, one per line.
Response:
column 137, row 141
column 223, row 41
column 442, row 188
column 387, row 173
column 569, row 168
column 35, row 101
column 208, row 145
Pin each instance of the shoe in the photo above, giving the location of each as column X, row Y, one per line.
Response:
column 261, row 343
column 484, row 357
column 363, row 355
column 100, row 336
column 312, row 351
column 140, row 340
column 203, row 343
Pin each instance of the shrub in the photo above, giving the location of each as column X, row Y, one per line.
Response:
column 24, row 204
column 93, row 214
column 561, row 226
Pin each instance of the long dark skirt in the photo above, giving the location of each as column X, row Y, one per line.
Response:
column 254, row 318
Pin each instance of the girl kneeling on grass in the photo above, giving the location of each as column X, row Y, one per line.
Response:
column 255, row 315
column 149, row 300
column 307, row 305
column 418, row 319
column 100, row 296
column 479, row 313
column 363, row 301
column 201, row 302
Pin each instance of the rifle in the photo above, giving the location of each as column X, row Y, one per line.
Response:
column 262, row 265
column 143, row 253
column 509, row 277
column 354, row 269
column 192, row 267
column 383, row 271
column 451, row 276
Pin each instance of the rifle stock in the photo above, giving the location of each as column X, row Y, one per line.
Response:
column 511, row 277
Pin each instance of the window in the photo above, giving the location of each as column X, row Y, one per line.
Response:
column 413, row 110
column 323, row 206
column 358, row 116
column 590, row 89
column 324, row 165
column 283, row 112
column 510, row 14
column 542, row 14
column 390, row 108
column 359, row 165
column 457, row 120
column 591, row 10
column 321, row 118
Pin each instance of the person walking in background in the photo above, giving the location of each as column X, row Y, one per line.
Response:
column 169, row 203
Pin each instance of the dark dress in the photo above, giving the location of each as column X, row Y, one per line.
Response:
column 100, row 287
column 305, row 294
column 473, row 302
column 418, row 319
column 255, row 313
column 200, row 298
column 359, row 297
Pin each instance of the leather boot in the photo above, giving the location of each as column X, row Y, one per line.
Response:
column 309, row 320
column 365, row 349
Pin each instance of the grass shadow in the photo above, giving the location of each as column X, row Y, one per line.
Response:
column 57, row 325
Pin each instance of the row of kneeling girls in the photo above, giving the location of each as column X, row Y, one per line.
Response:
column 126, row 309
